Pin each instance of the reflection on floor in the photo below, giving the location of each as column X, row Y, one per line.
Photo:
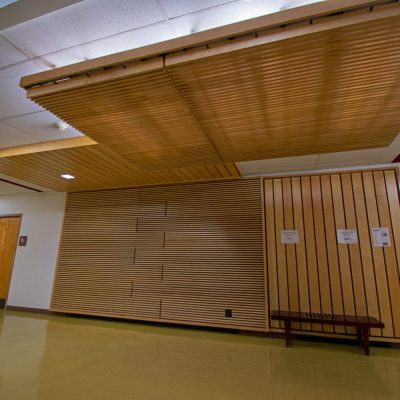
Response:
column 47, row 357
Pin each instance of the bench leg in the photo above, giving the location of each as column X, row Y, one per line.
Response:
column 287, row 332
column 359, row 337
column 365, row 339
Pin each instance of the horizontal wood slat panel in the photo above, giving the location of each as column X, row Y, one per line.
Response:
column 96, row 167
column 178, row 253
column 315, row 93
column 281, row 91
column 320, row 275
column 151, row 125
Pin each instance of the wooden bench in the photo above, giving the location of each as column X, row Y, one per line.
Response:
column 361, row 323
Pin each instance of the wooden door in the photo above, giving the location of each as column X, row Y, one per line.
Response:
column 9, row 229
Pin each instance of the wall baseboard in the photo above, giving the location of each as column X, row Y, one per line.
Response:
column 275, row 335
column 32, row 310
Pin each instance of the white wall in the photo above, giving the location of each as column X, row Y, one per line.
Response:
column 34, row 265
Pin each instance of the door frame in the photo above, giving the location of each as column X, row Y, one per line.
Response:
column 13, row 215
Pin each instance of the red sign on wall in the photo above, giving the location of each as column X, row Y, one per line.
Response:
column 22, row 240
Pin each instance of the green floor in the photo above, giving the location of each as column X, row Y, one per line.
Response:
column 43, row 357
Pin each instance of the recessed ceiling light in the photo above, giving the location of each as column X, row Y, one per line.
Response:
column 67, row 176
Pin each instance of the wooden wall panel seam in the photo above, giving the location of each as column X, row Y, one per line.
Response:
column 199, row 249
column 172, row 271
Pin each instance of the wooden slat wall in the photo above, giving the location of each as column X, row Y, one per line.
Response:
column 319, row 275
column 179, row 253
column 186, row 253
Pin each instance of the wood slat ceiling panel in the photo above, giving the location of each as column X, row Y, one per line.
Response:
column 283, row 91
column 96, row 167
column 142, row 118
column 329, row 91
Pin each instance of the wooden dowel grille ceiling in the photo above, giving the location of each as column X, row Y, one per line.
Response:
column 96, row 167
column 179, row 253
column 286, row 91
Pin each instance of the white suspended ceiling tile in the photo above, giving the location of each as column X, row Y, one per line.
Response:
column 222, row 15
column 13, row 99
column 113, row 44
column 83, row 22
column 286, row 4
column 176, row 8
column 229, row 13
column 9, row 54
column 26, row 10
column 8, row 188
column 10, row 137
column 40, row 126
column 260, row 167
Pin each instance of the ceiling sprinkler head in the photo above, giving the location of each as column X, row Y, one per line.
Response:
column 62, row 126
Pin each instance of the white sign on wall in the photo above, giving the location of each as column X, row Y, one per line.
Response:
column 347, row 236
column 289, row 236
column 381, row 237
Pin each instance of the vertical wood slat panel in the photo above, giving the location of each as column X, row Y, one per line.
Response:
column 176, row 254
column 273, row 292
column 301, row 257
column 343, row 250
column 290, row 251
column 393, row 201
column 372, row 303
column 281, row 267
column 358, row 279
column 322, row 259
column 389, row 252
column 378, row 257
column 311, row 242
column 332, row 250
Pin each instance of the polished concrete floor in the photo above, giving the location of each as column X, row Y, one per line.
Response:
column 46, row 357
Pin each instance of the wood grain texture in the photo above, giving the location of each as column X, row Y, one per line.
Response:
column 9, row 229
column 96, row 167
column 178, row 254
column 286, row 90
column 142, row 118
column 186, row 253
column 40, row 147
column 316, row 93
column 356, row 279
